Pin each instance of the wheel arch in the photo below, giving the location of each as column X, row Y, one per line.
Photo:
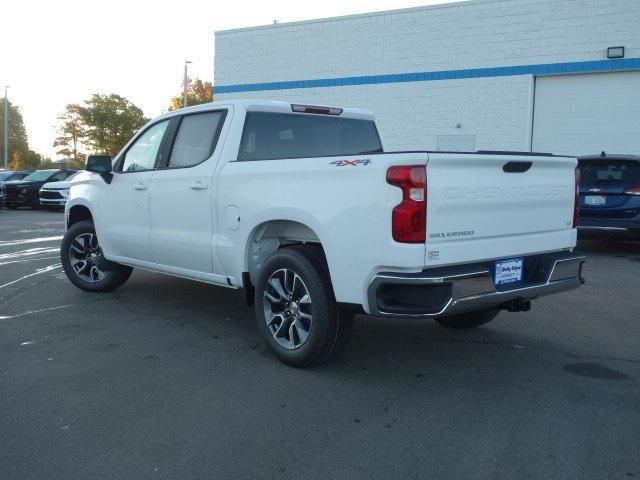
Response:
column 78, row 213
column 269, row 236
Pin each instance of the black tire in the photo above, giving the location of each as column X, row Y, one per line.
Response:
column 469, row 319
column 331, row 327
column 12, row 207
column 114, row 274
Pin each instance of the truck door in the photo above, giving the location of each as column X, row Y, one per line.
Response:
column 182, row 197
column 124, row 213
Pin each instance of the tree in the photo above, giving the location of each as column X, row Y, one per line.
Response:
column 110, row 122
column 197, row 92
column 18, row 146
column 27, row 160
column 71, row 132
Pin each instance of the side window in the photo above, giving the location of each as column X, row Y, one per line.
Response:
column 196, row 138
column 142, row 154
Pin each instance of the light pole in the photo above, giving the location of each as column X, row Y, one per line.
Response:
column 185, row 101
column 6, row 128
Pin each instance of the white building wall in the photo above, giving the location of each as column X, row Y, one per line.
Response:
column 465, row 35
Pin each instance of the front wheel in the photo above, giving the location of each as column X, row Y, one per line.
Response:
column 84, row 263
column 296, row 310
column 469, row 319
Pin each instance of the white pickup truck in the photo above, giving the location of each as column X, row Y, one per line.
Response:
column 302, row 208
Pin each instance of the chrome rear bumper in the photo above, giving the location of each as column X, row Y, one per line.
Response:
column 450, row 290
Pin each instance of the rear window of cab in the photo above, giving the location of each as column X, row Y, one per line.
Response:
column 609, row 172
column 271, row 136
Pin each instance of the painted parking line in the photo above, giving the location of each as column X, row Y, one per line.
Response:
column 21, row 254
column 30, row 312
column 9, row 243
column 39, row 271
column 36, row 259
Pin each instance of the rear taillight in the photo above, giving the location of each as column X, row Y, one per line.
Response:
column 632, row 190
column 409, row 217
column 576, row 198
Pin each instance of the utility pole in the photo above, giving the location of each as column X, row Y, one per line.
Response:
column 185, row 101
column 6, row 128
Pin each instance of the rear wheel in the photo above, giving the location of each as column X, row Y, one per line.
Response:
column 84, row 263
column 296, row 310
column 469, row 319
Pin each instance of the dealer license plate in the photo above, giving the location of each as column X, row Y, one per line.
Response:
column 508, row 271
column 595, row 200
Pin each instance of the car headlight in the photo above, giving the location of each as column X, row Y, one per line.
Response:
column 23, row 190
column 64, row 193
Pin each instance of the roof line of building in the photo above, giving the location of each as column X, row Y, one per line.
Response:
column 591, row 66
column 458, row 3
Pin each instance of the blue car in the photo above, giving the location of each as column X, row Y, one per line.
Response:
column 610, row 196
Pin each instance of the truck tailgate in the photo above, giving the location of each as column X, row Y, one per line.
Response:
column 497, row 206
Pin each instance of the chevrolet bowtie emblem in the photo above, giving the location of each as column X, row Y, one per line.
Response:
column 595, row 190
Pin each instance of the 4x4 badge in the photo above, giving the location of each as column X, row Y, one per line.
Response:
column 353, row 163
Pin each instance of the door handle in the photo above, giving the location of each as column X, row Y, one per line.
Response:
column 140, row 186
column 198, row 185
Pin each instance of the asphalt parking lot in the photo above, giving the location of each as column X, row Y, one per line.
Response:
column 167, row 378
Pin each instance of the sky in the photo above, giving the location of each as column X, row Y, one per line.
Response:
column 59, row 52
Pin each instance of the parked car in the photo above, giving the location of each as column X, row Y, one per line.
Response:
column 301, row 208
column 6, row 175
column 53, row 195
column 610, row 196
column 24, row 193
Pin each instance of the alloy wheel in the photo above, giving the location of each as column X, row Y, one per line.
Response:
column 287, row 308
column 85, row 256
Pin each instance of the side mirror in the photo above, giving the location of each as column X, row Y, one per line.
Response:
column 100, row 164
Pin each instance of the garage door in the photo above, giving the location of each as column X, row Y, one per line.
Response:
column 586, row 114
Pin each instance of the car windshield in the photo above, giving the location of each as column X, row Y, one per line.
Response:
column 72, row 176
column 610, row 172
column 39, row 175
column 6, row 175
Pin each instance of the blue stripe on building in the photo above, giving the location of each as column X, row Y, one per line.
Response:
column 539, row 69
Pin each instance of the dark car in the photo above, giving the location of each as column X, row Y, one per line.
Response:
column 610, row 195
column 24, row 193
column 5, row 176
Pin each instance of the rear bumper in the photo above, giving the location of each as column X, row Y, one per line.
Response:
column 604, row 227
column 450, row 290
